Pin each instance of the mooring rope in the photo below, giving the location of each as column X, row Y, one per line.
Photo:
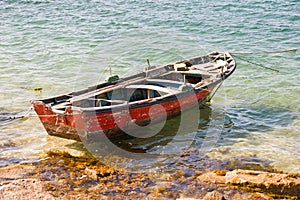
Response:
column 263, row 52
column 26, row 114
column 257, row 64
column 267, row 52
column 216, row 89
column 6, row 120
column 9, row 119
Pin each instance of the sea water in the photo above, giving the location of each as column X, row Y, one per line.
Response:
column 53, row 47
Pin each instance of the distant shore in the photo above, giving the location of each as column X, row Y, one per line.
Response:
column 63, row 176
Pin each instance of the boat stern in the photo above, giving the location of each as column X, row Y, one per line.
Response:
column 65, row 124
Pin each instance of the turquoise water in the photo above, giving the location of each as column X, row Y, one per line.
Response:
column 67, row 45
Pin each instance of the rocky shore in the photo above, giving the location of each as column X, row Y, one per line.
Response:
column 63, row 176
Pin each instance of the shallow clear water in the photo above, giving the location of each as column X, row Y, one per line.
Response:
column 67, row 45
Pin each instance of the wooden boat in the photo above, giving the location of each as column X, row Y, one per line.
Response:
column 113, row 106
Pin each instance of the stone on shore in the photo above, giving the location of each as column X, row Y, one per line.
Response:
column 24, row 189
column 214, row 195
column 257, row 181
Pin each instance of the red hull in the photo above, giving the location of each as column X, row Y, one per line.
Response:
column 76, row 124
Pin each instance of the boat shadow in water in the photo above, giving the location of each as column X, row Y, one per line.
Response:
column 178, row 131
column 170, row 137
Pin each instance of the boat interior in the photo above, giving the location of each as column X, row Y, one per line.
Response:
column 154, row 83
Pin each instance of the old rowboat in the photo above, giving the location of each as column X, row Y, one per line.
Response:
column 114, row 105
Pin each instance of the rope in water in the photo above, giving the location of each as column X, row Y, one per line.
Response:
column 26, row 115
column 9, row 119
column 267, row 52
column 263, row 52
column 21, row 116
column 256, row 64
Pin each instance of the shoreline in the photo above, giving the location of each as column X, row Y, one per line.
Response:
column 63, row 176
